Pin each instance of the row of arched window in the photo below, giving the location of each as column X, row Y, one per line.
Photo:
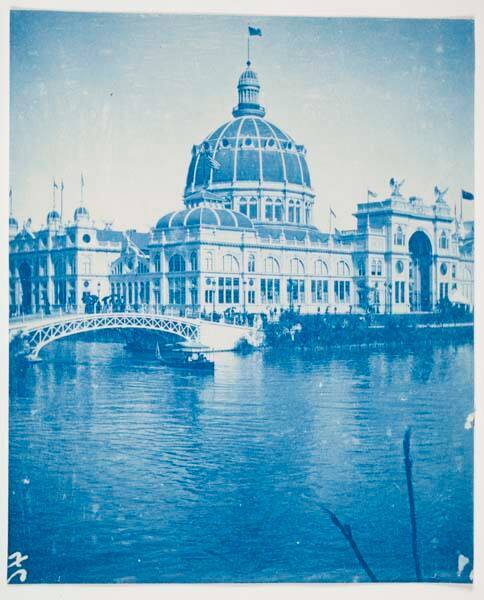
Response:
column 230, row 264
column 274, row 210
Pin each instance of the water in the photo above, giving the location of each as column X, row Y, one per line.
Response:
column 123, row 470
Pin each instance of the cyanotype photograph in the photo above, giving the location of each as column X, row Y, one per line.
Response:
column 241, row 299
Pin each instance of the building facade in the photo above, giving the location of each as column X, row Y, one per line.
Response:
column 245, row 241
column 58, row 264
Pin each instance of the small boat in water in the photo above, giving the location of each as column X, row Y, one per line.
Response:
column 188, row 356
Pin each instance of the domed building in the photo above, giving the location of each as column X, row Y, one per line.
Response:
column 245, row 242
column 252, row 165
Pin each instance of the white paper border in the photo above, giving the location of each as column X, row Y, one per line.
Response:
column 350, row 8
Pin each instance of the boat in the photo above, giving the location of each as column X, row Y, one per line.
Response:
column 188, row 356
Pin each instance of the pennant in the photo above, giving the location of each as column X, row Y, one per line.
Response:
column 214, row 164
column 82, row 180
column 54, row 184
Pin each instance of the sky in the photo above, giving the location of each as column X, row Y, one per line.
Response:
column 123, row 97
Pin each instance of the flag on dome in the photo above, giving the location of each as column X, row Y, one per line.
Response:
column 213, row 163
column 255, row 31
column 372, row 194
column 467, row 195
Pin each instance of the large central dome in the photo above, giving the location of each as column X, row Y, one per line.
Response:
column 247, row 149
column 251, row 166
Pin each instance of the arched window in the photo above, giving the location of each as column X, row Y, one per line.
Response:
column 343, row 269
column 243, row 206
column 398, row 237
column 253, row 208
column 230, row 264
column 269, row 214
column 176, row 264
column 278, row 212
column 297, row 267
column 298, row 212
column 271, row 266
column 466, row 283
column 320, row 267
column 251, row 263
column 361, row 268
column 208, row 261
column 308, row 215
column 379, row 267
column 444, row 241
column 373, row 267
column 194, row 261
column 157, row 262
column 290, row 212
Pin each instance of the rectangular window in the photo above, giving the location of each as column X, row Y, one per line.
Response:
column 444, row 291
column 342, row 292
column 176, row 291
column 319, row 291
column 251, row 297
column 228, row 290
column 295, row 291
column 269, row 291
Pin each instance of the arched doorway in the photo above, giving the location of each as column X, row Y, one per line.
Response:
column 25, row 273
column 420, row 272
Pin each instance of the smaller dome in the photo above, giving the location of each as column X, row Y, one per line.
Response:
column 203, row 216
column 80, row 212
column 248, row 76
column 53, row 216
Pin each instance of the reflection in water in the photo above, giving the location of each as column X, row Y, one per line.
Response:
column 124, row 470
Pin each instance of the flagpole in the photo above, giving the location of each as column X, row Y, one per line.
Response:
column 330, row 220
column 248, row 49
column 367, row 210
column 62, row 199
column 53, row 193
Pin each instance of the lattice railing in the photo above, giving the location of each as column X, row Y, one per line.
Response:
column 41, row 336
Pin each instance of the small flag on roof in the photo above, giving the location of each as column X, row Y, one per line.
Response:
column 467, row 195
column 213, row 163
column 255, row 31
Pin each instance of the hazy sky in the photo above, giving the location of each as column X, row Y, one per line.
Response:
column 123, row 98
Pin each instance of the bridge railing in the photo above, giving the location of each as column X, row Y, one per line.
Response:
column 233, row 318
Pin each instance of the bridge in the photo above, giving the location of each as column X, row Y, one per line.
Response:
column 33, row 332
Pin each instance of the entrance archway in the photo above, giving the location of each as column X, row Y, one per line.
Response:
column 420, row 272
column 25, row 273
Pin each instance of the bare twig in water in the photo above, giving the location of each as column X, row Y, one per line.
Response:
column 411, row 502
column 346, row 531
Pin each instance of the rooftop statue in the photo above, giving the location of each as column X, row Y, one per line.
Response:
column 439, row 194
column 395, row 186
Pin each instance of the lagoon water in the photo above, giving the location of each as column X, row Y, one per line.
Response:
column 122, row 470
